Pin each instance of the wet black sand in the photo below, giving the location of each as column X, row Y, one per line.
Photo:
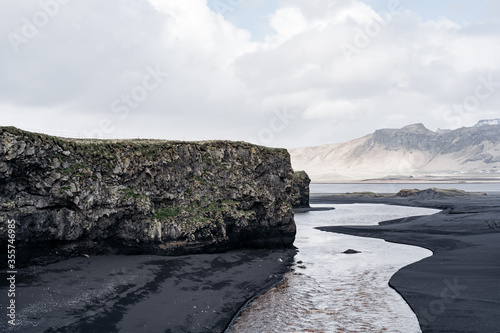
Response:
column 455, row 290
column 458, row 288
column 197, row 293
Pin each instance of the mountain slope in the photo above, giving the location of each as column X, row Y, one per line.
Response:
column 412, row 150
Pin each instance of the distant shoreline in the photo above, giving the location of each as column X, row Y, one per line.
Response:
column 412, row 181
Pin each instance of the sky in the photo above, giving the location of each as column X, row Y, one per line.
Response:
column 278, row 73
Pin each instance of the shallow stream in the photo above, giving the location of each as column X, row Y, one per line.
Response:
column 330, row 291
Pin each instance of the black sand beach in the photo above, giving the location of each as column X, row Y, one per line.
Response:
column 455, row 290
column 458, row 288
column 197, row 293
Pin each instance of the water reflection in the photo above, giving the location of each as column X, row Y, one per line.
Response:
column 334, row 292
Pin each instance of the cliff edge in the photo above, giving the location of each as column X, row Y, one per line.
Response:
column 71, row 197
column 300, row 190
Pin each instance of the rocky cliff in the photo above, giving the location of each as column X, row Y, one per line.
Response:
column 73, row 197
column 410, row 151
column 300, row 190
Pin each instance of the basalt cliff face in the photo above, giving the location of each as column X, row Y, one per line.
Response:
column 73, row 197
column 300, row 190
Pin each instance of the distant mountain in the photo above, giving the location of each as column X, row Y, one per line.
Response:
column 407, row 152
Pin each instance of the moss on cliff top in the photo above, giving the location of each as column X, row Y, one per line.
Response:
column 104, row 145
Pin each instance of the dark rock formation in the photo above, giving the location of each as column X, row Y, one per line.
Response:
column 73, row 197
column 433, row 193
column 300, row 190
column 351, row 251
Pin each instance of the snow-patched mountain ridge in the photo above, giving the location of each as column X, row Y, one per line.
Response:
column 412, row 150
column 488, row 122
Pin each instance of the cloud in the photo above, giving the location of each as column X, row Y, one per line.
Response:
column 402, row 69
column 289, row 22
column 343, row 69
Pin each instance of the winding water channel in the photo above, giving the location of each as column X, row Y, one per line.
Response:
column 329, row 291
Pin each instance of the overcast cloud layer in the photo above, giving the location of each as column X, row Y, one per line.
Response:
column 325, row 71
